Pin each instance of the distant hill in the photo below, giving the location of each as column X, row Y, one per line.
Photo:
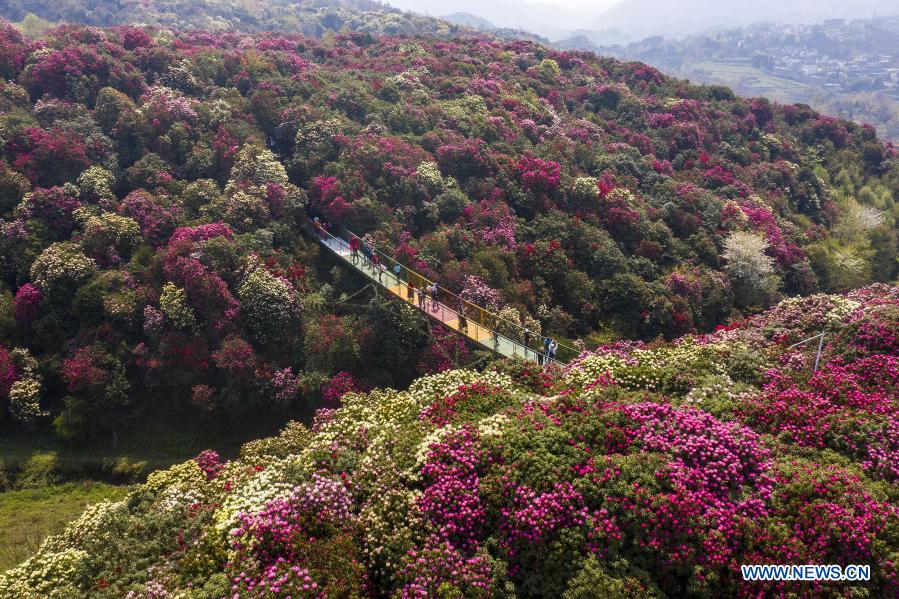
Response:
column 674, row 18
column 849, row 68
column 472, row 21
column 309, row 17
column 542, row 18
column 469, row 20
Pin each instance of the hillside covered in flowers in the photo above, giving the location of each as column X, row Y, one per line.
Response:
column 637, row 471
column 153, row 184
column 309, row 17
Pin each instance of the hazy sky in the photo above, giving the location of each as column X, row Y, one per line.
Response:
column 551, row 18
column 596, row 5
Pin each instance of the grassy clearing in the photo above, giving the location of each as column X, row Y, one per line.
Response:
column 751, row 81
column 28, row 516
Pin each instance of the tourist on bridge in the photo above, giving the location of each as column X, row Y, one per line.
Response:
column 354, row 248
column 397, row 271
column 527, row 337
column 319, row 227
column 368, row 249
column 434, row 289
column 421, row 298
column 376, row 264
column 463, row 322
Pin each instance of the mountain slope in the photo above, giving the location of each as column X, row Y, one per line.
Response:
column 310, row 17
column 153, row 184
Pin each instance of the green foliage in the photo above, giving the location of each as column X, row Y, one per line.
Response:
column 613, row 580
column 270, row 306
column 173, row 303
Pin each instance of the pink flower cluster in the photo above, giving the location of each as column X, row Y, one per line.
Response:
column 339, row 385
column 537, row 174
column 201, row 233
column 451, row 499
column 210, row 463
column 708, row 453
column 477, row 291
column 7, row 372
column 27, row 301
column 280, row 579
column 534, row 516
column 437, row 566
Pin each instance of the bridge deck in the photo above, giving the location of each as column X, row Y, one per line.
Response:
column 445, row 315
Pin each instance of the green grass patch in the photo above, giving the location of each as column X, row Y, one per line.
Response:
column 748, row 80
column 28, row 516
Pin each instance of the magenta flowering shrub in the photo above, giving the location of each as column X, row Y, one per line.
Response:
column 8, row 374
column 538, row 175
column 437, row 567
column 27, row 302
column 52, row 206
column 477, row 291
column 727, row 455
column 48, row 157
column 536, row 516
column 210, row 463
column 156, row 222
column 312, row 526
column 201, row 233
column 451, row 500
column 339, row 385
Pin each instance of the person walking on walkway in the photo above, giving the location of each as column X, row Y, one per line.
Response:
column 397, row 271
column 434, row 289
column 410, row 292
column 319, row 227
column 527, row 341
column 553, row 346
column 546, row 342
column 463, row 324
column 368, row 249
column 421, row 298
column 354, row 248
column 376, row 264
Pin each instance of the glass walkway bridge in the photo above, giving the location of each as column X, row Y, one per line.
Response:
column 465, row 318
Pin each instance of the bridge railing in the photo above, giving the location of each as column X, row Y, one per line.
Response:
column 469, row 319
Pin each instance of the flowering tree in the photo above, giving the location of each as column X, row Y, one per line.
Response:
column 539, row 175
column 27, row 301
column 270, row 306
column 61, row 267
column 749, row 267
